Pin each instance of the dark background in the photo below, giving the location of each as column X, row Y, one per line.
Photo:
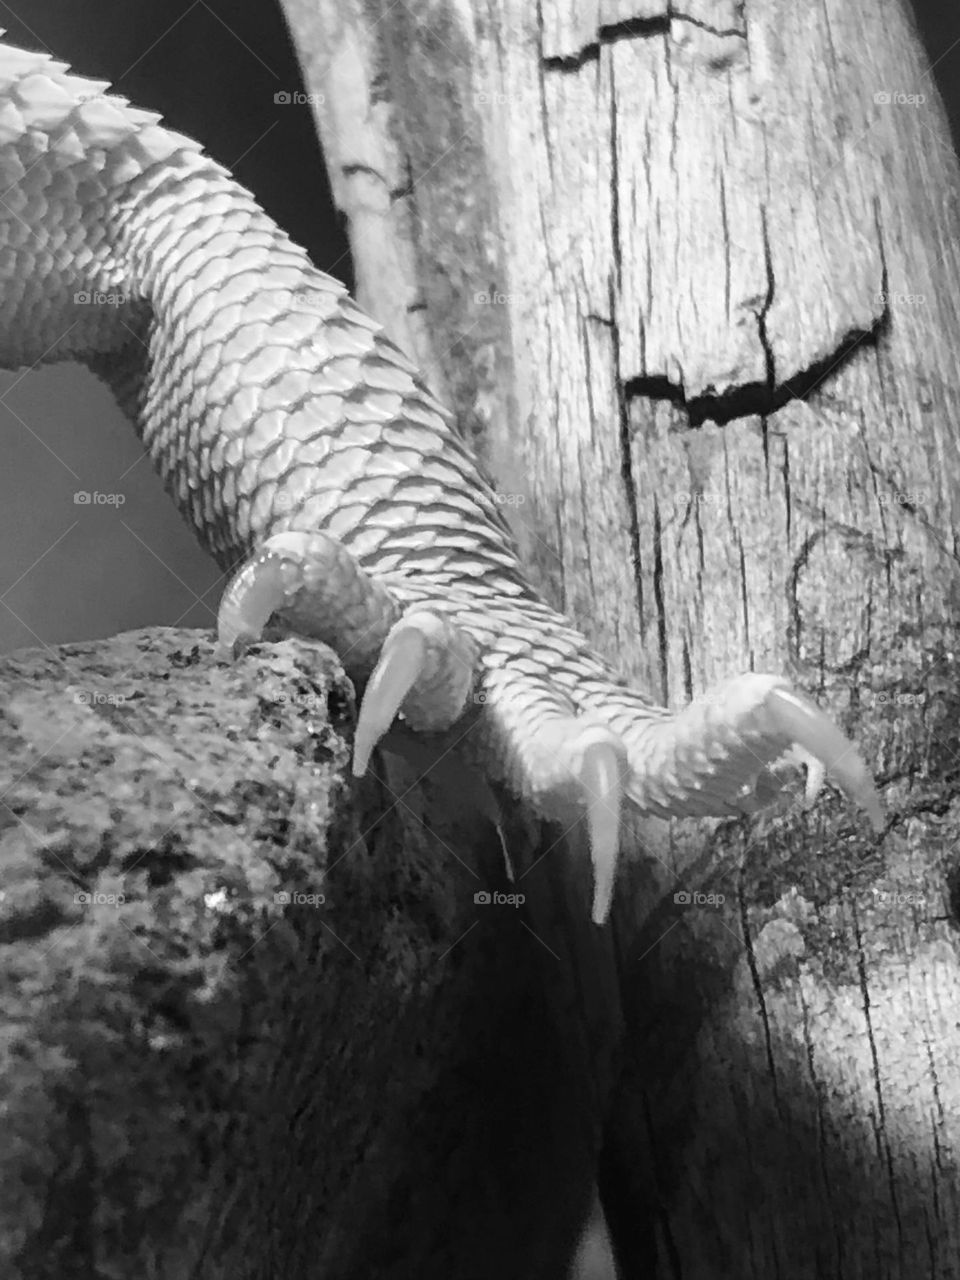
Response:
column 211, row 68
column 71, row 572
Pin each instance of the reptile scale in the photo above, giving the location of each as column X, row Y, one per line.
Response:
column 313, row 462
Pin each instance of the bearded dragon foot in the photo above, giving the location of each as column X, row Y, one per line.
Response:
column 570, row 755
column 325, row 415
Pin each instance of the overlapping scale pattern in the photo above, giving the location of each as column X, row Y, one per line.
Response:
column 271, row 404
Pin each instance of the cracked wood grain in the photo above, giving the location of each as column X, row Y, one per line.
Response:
column 721, row 375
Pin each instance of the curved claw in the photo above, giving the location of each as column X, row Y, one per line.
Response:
column 321, row 591
column 601, row 776
column 816, row 733
column 719, row 756
column 571, row 748
column 258, row 590
column 816, row 774
column 426, row 668
column 401, row 665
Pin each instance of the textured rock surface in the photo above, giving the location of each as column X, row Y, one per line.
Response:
column 206, row 1070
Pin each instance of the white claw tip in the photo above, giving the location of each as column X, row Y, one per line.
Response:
column 401, row 663
column 600, row 775
column 817, row 735
column 359, row 764
column 256, row 592
column 816, row 772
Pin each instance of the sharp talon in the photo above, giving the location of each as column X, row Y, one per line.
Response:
column 817, row 734
column 312, row 586
column 257, row 591
column 401, row 664
column 600, row 776
column 426, row 667
column 816, row 773
column 577, row 767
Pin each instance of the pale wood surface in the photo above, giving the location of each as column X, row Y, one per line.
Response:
column 678, row 225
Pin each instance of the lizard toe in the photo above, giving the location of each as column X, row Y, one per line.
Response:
column 721, row 754
column 313, row 586
column 426, row 670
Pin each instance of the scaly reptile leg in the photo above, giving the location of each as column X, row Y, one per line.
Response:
column 273, row 407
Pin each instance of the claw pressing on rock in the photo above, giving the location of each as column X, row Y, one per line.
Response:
column 816, row 773
column 600, row 775
column 816, row 733
column 401, row 664
column 314, row 587
column 426, row 667
column 257, row 591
